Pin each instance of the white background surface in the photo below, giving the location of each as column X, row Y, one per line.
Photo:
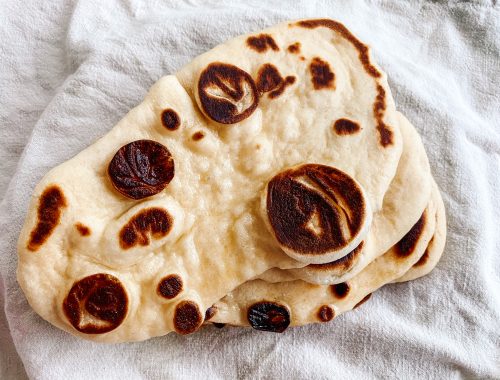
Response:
column 70, row 70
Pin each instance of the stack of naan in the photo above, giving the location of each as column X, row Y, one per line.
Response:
column 269, row 183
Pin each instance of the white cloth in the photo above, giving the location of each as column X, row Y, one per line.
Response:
column 70, row 70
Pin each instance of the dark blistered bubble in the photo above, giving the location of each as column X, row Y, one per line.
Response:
column 170, row 286
column 50, row 206
column 268, row 316
column 340, row 290
column 170, row 119
column 141, row 169
column 303, row 208
column 326, row 313
column 226, row 93
column 96, row 304
column 187, row 317
column 152, row 222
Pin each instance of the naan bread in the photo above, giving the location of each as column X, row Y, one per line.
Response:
column 404, row 202
column 274, row 306
column 139, row 233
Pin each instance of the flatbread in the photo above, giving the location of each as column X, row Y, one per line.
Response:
column 407, row 197
column 141, row 232
column 274, row 306
column 434, row 251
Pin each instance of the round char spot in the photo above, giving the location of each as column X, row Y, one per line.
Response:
column 226, row 93
column 313, row 209
column 141, row 169
column 219, row 325
column 321, row 75
column 326, row 313
column 367, row 297
column 82, row 229
column 346, row 127
column 49, row 212
column 152, row 222
column 268, row 316
column 210, row 313
column 340, row 290
column 187, row 317
column 262, row 43
column 96, row 304
column 294, row 48
column 197, row 136
column 406, row 246
column 170, row 119
column 170, row 286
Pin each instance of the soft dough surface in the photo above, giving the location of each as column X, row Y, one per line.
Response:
column 109, row 234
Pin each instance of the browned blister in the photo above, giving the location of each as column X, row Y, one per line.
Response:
column 313, row 209
column 340, row 290
column 262, row 42
column 268, row 316
column 346, row 127
column 96, row 304
column 152, row 222
column 50, row 206
column 141, row 169
column 170, row 119
column 187, row 317
column 227, row 94
column 322, row 76
column 170, row 286
column 326, row 313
